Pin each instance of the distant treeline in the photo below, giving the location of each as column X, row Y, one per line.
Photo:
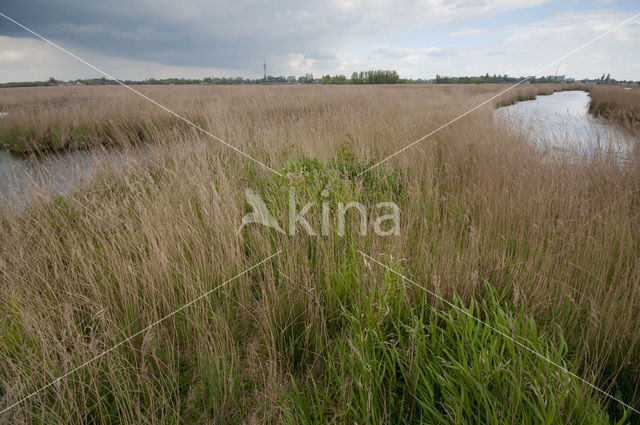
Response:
column 440, row 79
column 379, row 76
column 392, row 77
column 153, row 81
column 362, row 77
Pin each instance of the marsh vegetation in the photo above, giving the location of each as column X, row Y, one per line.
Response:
column 544, row 248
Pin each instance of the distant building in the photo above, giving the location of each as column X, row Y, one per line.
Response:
column 559, row 77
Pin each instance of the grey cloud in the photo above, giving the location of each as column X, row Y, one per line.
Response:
column 233, row 35
column 400, row 53
column 390, row 53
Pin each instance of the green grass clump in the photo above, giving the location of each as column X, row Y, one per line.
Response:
column 26, row 139
column 17, row 140
column 397, row 361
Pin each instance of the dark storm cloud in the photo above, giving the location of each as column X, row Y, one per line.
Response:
column 227, row 34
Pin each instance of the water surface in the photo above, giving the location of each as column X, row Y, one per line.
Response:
column 561, row 122
column 24, row 180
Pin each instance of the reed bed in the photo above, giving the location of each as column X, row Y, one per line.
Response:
column 616, row 103
column 543, row 248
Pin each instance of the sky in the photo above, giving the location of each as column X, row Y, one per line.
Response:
column 140, row 39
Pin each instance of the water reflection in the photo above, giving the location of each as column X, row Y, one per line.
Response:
column 561, row 122
column 23, row 180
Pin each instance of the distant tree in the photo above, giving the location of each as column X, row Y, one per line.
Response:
column 608, row 77
column 339, row 79
column 371, row 77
